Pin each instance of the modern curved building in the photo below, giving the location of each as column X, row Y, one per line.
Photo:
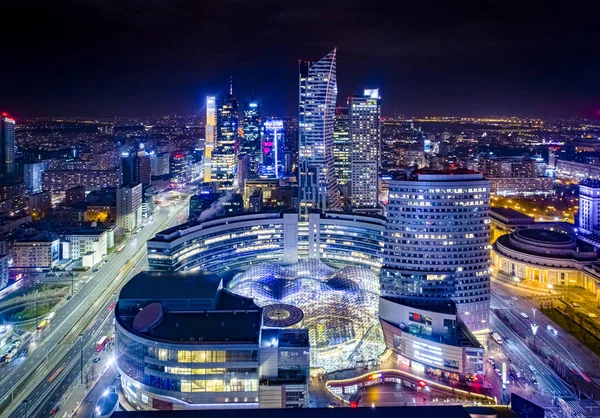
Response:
column 438, row 242
column 340, row 307
column 183, row 342
column 237, row 242
column 544, row 257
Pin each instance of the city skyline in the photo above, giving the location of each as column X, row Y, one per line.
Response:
column 465, row 59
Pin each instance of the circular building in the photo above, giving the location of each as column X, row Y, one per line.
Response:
column 340, row 307
column 543, row 257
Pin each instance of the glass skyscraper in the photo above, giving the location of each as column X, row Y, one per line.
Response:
column 316, row 111
column 437, row 243
column 223, row 159
column 251, row 143
column 272, row 149
column 365, row 140
column 7, row 147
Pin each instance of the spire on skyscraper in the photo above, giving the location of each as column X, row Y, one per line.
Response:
column 231, row 85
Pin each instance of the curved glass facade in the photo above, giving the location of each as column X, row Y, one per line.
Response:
column 160, row 375
column 237, row 242
column 340, row 307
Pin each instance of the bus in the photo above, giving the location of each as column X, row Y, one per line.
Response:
column 101, row 343
column 120, row 248
column 50, row 316
column 42, row 325
column 497, row 337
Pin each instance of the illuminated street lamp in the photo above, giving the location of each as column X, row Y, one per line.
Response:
column 534, row 326
column 516, row 280
column 550, row 287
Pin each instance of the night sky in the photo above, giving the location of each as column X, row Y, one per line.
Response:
column 142, row 57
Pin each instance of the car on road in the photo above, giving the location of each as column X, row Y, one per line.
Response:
column 575, row 305
column 498, row 372
column 69, row 297
column 24, row 352
column 97, row 359
column 592, row 315
column 532, row 369
column 55, row 410
column 524, row 315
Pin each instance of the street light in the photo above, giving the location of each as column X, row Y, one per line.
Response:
column 516, row 279
column 550, row 287
column 81, row 356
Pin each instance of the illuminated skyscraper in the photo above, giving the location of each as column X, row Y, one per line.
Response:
column 223, row 159
column 272, row 148
column 209, row 135
column 316, row 111
column 251, row 143
column 7, row 147
column 341, row 145
column 437, row 243
column 365, row 146
column 211, row 125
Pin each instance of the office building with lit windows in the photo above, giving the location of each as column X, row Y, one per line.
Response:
column 365, row 150
column 437, row 243
column 589, row 206
column 8, row 167
column 223, row 158
column 317, row 182
column 239, row 242
column 251, row 143
column 272, row 149
column 185, row 342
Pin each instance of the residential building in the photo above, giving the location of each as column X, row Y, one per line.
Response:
column 62, row 180
column 365, row 150
column 39, row 252
column 32, row 175
column 129, row 207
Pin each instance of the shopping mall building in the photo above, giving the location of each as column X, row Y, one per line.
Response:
column 184, row 342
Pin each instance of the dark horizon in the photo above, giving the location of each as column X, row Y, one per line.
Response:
column 137, row 58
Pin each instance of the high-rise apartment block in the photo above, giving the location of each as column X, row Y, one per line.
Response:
column 341, row 145
column 589, row 206
column 316, row 111
column 365, row 149
column 129, row 207
column 437, row 243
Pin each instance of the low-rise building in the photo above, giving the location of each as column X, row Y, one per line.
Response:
column 431, row 337
column 39, row 252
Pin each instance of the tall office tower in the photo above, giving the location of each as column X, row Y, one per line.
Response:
column 223, row 159
column 177, row 168
column 317, row 185
column 143, row 168
column 365, row 149
column 589, row 206
column 251, row 143
column 437, row 243
column 341, row 145
column 129, row 207
column 209, row 135
column 32, row 175
column 211, row 125
column 128, row 166
column 8, row 167
column 272, row 148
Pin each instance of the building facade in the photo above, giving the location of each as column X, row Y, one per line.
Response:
column 272, row 149
column 251, row 143
column 589, row 206
column 32, row 175
column 129, row 207
column 223, row 158
column 40, row 252
column 365, row 149
column 237, row 242
column 341, row 146
column 437, row 243
column 183, row 342
column 316, row 110
column 8, row 166
column 62, row 180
